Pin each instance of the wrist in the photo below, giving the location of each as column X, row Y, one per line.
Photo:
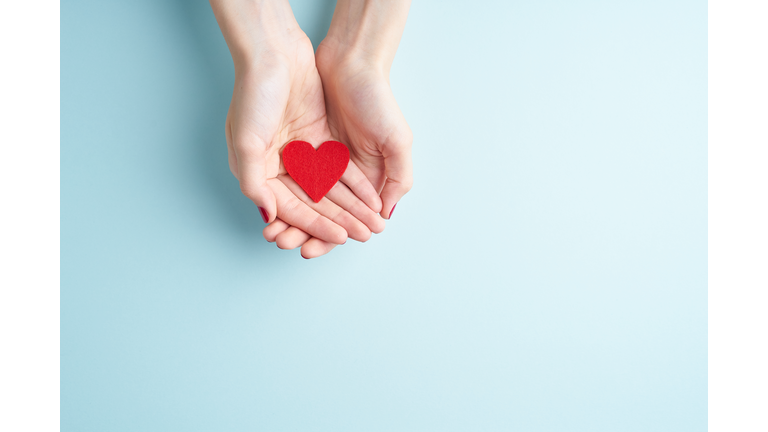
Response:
column 334, row 58
column 367, row 32
column 255, row 30
column 266, row 52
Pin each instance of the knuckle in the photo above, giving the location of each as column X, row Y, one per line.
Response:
column 403, row 140
column 407, row 184
column 249, row 190
column 292, row 209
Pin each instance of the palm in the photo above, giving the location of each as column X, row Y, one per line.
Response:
column 363, row 113
column 360, row 112
column 280, row 102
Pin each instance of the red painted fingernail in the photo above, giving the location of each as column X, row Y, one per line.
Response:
column 264, row 214
column 392, row 211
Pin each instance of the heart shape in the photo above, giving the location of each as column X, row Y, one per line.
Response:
column 316, row 171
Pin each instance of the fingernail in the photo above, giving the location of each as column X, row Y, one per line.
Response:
column 304, row 257
column 264, row 214
column 392, row 211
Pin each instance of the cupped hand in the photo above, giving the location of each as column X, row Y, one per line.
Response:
column 362, row 112
column 278, row 98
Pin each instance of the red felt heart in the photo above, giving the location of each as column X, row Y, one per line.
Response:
column 316, row 171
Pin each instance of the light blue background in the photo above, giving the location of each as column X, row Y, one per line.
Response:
column 546, row 273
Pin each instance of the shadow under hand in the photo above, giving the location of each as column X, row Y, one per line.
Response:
column 213, row 80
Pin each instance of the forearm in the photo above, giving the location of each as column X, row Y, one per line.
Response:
column 253, row 27
column 369, row 29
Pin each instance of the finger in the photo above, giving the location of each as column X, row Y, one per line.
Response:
column 344, row 198
column 292, row 238
column 272, row 230
column 355, row 229
column 354, row 178
column 399, row 171
column 314, row 248
column 252, row 173
column 295, row 212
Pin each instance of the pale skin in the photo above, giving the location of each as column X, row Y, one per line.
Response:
column 282, row 93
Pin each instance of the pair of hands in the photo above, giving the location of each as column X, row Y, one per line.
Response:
column 287, row 92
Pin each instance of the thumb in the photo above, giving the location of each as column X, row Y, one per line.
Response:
column 398, row 169
column 252, row 174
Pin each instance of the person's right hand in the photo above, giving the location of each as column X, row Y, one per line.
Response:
column 354, row 62
column 362, row 112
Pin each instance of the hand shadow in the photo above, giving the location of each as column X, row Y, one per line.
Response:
column 209, row 169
